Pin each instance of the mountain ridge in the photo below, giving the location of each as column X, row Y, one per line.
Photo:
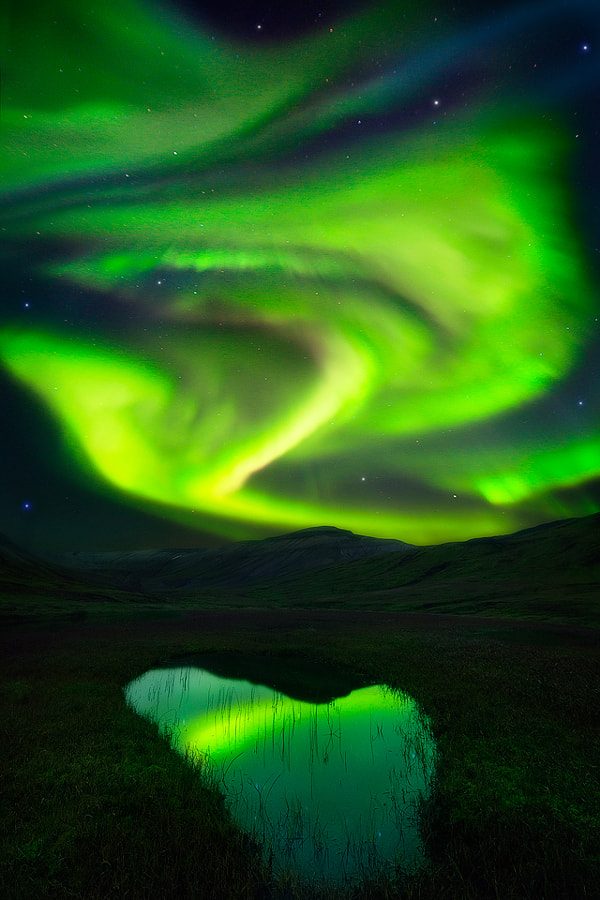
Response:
column 549, row 572
column 233, row 565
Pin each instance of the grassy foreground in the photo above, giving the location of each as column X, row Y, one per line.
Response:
column 96, row 805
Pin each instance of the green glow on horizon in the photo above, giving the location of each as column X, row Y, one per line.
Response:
column 333, row 315
column 562, row 467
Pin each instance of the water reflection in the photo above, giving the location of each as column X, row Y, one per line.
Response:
column 329, row 789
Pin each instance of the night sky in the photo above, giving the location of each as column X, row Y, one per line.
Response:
column 267, row 268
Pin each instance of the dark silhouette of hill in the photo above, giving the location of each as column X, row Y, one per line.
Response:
column 32, row 587
column 233, row 566
column 550, row 572
column 19, row 565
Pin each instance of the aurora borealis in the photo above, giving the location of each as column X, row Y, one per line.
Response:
column 344, row 277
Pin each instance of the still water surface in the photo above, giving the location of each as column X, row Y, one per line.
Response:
column 330, row 790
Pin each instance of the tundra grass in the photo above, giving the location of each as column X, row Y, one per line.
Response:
column 95, row 804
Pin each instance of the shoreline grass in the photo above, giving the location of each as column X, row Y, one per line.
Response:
column 95, row 804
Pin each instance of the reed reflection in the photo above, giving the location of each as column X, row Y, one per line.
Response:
column 330, row 790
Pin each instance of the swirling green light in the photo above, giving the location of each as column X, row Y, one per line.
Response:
column 329, row 314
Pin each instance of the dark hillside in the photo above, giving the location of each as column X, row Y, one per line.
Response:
column 547, row 573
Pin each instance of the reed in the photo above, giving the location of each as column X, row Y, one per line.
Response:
column 95, row 804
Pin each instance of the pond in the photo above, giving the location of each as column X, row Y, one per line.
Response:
column 329, row 787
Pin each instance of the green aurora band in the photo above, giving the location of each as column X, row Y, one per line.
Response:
column 311, row 334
